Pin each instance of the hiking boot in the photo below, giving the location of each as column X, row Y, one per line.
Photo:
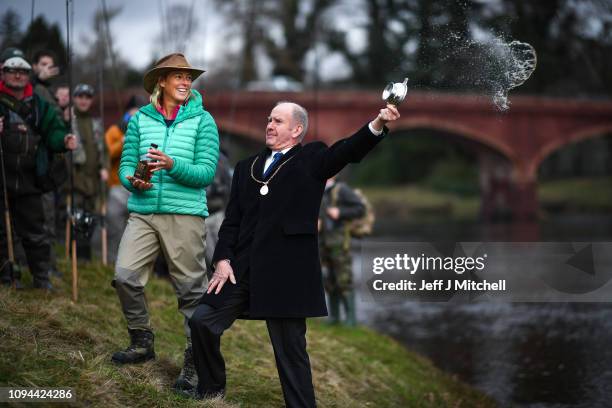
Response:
column 188, row 378
column 139, row 350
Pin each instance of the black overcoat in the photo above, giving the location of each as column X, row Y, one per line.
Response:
column 272, row 240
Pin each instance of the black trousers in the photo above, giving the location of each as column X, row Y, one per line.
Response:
column 28, row 220
column 288, row 338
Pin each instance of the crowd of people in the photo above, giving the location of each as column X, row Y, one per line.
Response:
column 32, row 136
column 232, row 245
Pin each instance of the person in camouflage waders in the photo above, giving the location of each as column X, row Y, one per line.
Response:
column 339, row 206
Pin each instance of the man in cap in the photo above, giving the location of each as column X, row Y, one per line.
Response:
column 20, row 258
column 339, row 206
column 90, row 168
column 29, row 130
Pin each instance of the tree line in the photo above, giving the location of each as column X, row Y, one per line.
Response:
column 437, row 44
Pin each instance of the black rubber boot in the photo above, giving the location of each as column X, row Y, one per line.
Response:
column 141, row 348
column 188, row 378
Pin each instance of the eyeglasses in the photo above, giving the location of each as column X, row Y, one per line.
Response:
column 16, row 71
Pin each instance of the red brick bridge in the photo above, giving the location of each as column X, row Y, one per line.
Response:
column 511, row 144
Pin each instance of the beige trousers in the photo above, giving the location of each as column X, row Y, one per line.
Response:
column 182, row 238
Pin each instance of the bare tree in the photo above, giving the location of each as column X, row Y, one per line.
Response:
column 245, row 25
column 284, row 30
column 178, row 24
column 300, row 27
column 102, row 55
column 406, row 38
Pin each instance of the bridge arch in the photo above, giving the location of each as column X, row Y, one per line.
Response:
column 456, row 129
column 497, row 164
column 579, row 135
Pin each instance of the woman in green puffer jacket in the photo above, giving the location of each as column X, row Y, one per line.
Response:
column 166, row 212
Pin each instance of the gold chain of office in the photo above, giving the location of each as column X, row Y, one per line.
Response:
column 264, row 188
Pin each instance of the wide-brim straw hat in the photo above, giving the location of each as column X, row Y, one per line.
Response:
column 171, row 62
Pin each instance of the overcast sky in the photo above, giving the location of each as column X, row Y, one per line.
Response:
column 137, row 28
column 134, row 29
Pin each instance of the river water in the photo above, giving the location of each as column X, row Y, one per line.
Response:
column 521, row 354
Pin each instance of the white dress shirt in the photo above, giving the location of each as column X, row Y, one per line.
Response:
column 374, row 131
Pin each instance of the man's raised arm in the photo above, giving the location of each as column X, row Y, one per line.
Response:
column 328, row 162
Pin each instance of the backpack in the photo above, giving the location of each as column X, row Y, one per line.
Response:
column 51, row 170
column 362, row 226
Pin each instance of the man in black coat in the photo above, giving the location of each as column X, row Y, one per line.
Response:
column 268, row 249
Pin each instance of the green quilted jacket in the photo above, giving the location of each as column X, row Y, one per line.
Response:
column 193, row 143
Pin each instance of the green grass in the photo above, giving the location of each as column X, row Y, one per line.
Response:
column 46, row 340
column 577, row 195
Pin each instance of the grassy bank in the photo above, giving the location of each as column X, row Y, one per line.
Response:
column 45, row 340
column 581, row 195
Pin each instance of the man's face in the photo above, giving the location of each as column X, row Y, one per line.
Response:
column 44, row 64
column 83, row 102
column 16, row 78
column 282, row 131
column 63, row 96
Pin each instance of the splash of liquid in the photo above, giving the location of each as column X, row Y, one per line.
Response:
column 518, row 61
column 491, row 66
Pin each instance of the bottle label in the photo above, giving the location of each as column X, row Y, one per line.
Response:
column 142, row 171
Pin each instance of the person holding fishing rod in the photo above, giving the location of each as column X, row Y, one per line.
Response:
column 90, row 167
column 30, row 131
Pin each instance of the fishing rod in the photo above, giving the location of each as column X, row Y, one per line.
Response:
column 73, row 243
column 108, row 46
column 103, row 229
